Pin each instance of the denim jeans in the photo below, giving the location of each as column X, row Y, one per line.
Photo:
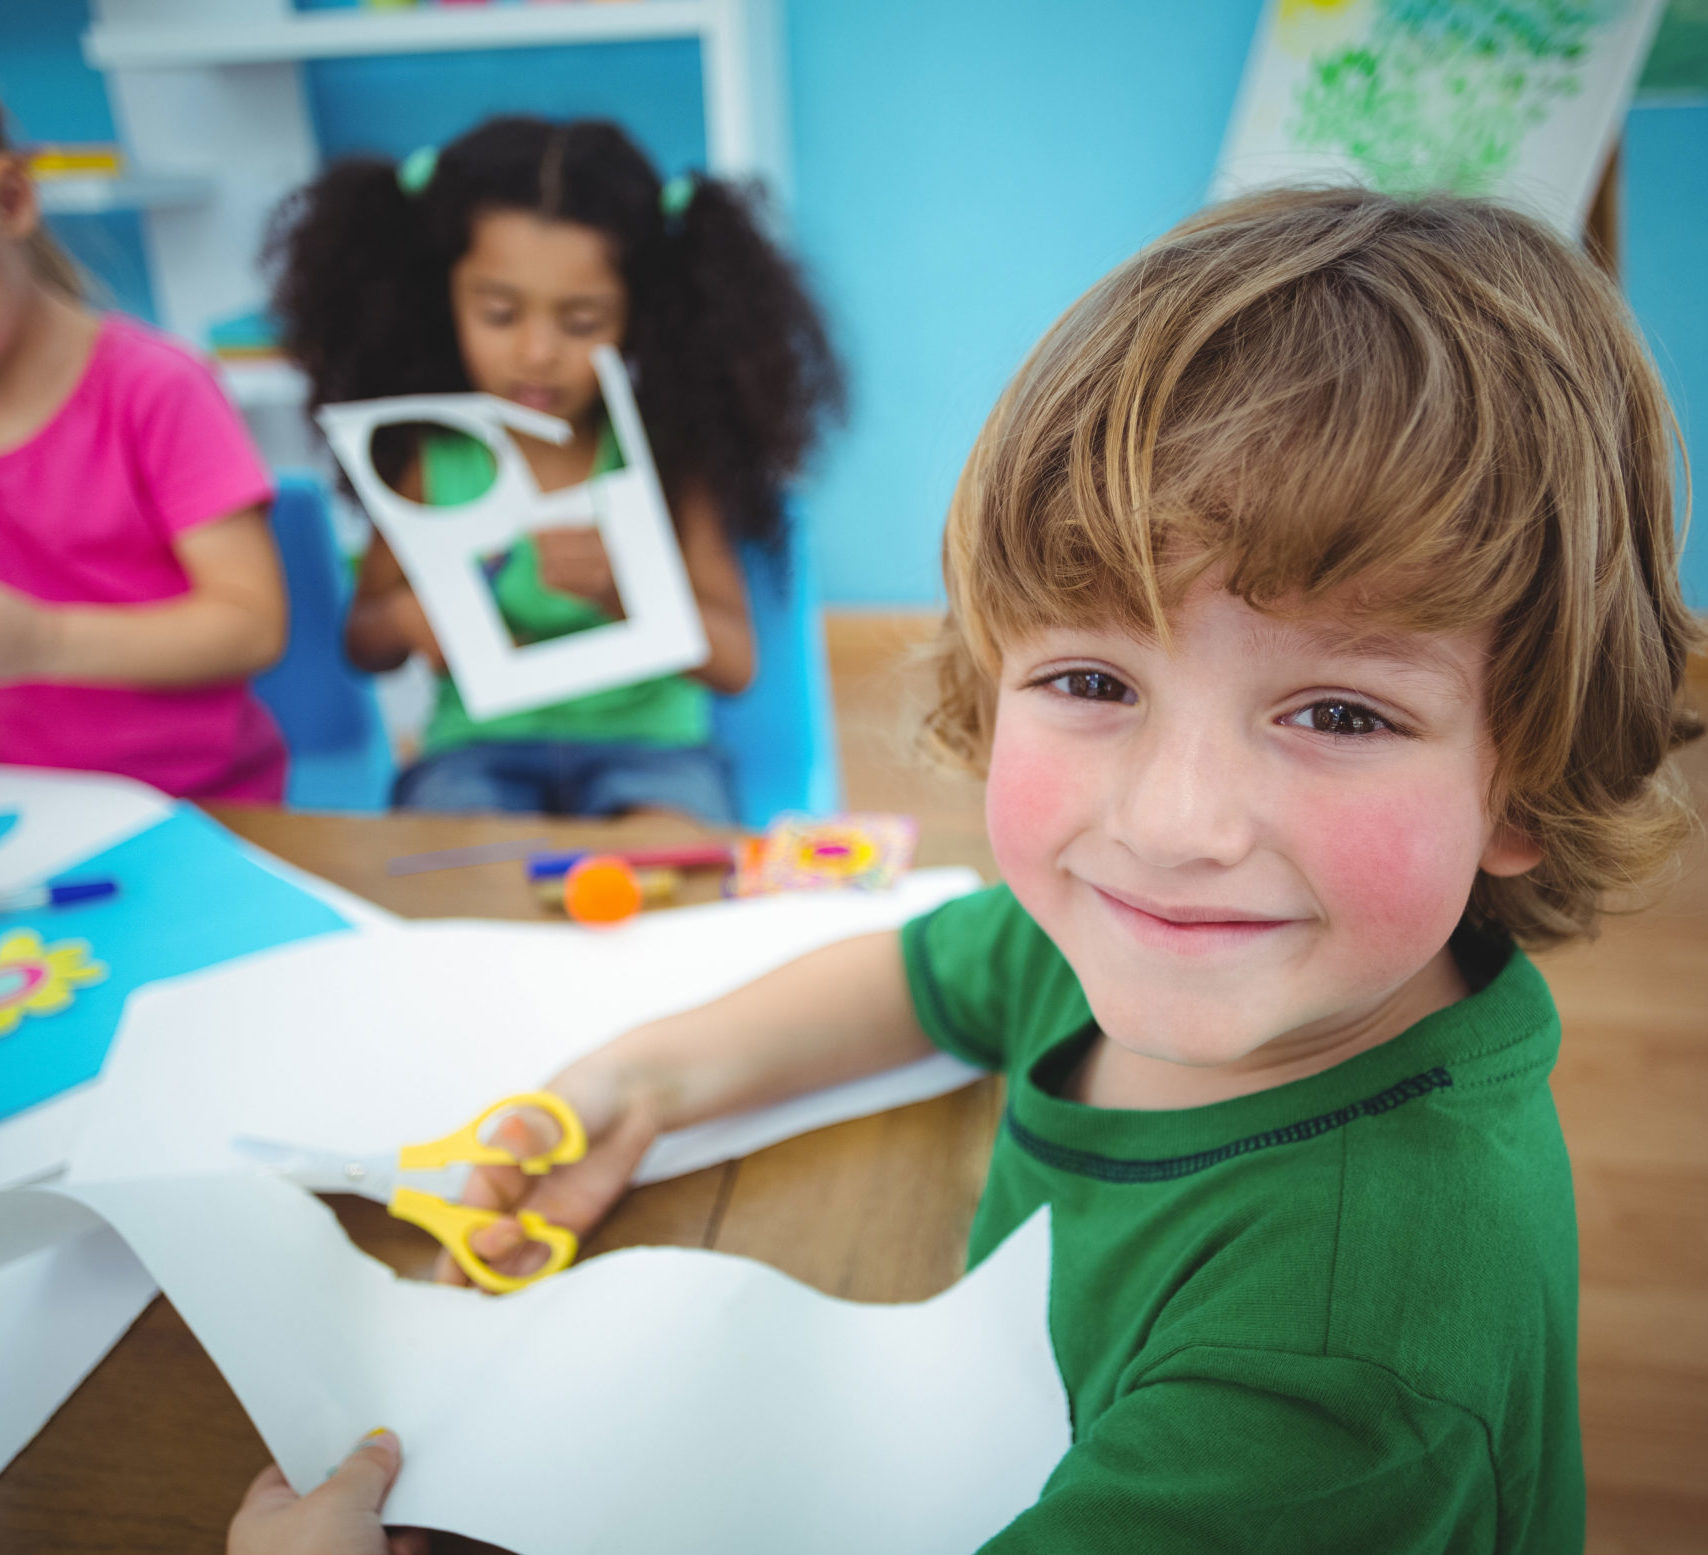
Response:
column 553, row 777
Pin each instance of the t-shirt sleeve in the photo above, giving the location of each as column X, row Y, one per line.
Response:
column 1232, row 1452
column 193, row 453
column 965, row 961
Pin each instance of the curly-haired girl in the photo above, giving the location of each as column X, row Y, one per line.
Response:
column 498, row 264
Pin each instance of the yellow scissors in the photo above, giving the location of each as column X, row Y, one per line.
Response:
column 437, row 1174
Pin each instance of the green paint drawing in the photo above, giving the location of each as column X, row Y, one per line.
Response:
column 1442, row 93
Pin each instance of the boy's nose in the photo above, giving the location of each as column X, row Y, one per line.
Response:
column 1183, row 797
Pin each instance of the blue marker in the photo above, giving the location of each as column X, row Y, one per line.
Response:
column 70, row 894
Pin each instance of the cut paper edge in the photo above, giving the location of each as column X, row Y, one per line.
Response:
column 782, row 1419
column 62, row 1308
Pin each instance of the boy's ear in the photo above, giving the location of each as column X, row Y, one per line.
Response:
column 1508, row 852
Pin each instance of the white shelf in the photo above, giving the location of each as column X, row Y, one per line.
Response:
column 267, row 383
column 97, row 194
column 422, row 30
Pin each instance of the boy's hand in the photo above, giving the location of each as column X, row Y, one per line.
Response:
column 620, row 1128
column 25, row 636
column 574, row 561
column 341, row 1517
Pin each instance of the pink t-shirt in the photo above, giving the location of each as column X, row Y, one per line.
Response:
column 146, row 447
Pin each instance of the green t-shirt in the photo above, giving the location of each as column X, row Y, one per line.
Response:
column 671, row 710
column 1338, row 1316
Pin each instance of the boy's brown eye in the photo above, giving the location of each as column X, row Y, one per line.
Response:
column 1344, row 718
column 1093, row 686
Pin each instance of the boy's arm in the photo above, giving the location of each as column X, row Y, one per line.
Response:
column 228, row 625
column 1224, row 1448
column 836, row 1014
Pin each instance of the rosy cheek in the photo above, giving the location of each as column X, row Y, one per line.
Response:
column 1023, row 796
column 1391, row 871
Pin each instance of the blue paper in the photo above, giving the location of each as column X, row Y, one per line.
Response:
column 188, row 898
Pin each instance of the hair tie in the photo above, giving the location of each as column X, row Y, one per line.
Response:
column 416, row 170
column 675, row 196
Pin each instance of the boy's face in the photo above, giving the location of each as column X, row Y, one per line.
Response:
column 1253, row 847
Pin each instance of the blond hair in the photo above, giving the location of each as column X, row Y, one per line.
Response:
column 49, row 263
column 1434, row 411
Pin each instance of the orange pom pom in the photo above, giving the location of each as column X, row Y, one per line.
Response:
column 601, row 890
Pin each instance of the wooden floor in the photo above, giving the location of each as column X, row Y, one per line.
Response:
column 1632, row 1089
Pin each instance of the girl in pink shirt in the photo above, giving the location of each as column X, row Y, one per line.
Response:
column 139, row 585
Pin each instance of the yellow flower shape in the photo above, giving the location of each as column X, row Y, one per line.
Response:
column 38, row 979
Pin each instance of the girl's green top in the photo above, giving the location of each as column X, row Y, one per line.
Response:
column 671, row 710
column 1338, row 1317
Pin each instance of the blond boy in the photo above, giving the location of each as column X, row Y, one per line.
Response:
column 1314, row 616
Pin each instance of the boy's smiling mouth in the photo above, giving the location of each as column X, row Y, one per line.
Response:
column 1193, row 929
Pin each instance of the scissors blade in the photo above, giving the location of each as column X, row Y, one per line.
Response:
column 323, row 1171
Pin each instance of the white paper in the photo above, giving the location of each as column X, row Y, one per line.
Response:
column 441, row 549
column 51, row 820
column 362, row 1042
column 655, row 1399
column 421, row 1025
column 1408, row 98
column 65, row 1307
column 61, row 1309
column 64, row 818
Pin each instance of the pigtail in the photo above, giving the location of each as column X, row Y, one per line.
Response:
column 736, row 373
column 359, row 288
column 733, row 370
column 49, row 263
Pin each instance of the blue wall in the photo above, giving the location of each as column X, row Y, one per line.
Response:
column 50, row 94
column 963, row 170
column 1666, row 276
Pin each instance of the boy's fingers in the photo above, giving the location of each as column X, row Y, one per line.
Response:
column 446, row 1272
column 498, row 1241
column 268, row 1487
column 365, row 1476
column 527, row 1131
column 407, row 1541
column 495, row 1244
column 495, row 1187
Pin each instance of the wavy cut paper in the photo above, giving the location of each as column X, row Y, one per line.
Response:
column 655, row 1399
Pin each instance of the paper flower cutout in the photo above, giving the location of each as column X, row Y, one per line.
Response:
column 38, row 979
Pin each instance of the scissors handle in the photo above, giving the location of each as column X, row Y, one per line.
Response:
column 455, row 1224
column 465, row 1143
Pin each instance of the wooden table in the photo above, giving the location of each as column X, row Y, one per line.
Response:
column 153, row 1452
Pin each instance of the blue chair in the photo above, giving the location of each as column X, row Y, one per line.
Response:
column 780, row 733
column 327, row 711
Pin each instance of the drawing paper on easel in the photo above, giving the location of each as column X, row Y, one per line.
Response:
column 1519, row 100
column 462, row 559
